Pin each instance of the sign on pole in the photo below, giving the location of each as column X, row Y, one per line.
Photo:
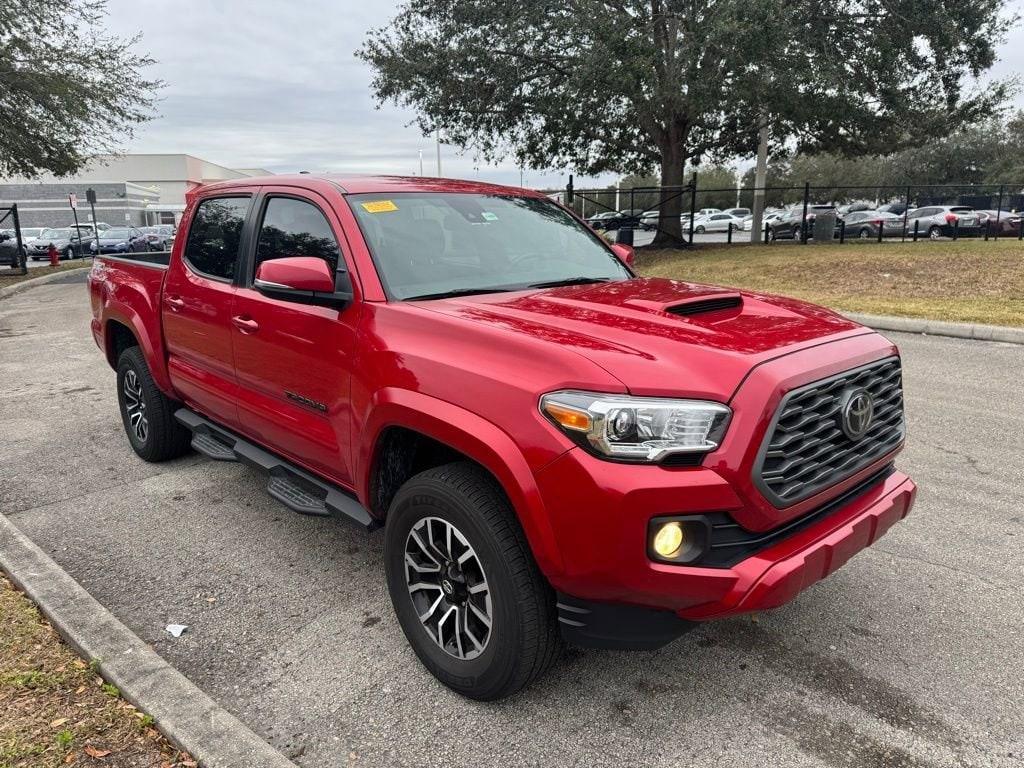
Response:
column 73, row 200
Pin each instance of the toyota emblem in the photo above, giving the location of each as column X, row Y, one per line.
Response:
column 857, row 413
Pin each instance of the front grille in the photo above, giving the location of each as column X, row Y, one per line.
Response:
column 806, row 449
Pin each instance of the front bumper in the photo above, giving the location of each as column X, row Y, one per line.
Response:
column 677, row 596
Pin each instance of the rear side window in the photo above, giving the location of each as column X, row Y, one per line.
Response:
column 293, row 227
column 214, row 236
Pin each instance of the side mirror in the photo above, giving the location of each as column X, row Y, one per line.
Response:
column 303, row 279
column 626, row 253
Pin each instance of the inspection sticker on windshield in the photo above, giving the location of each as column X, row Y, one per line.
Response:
column 379, row 206
column 488, row 216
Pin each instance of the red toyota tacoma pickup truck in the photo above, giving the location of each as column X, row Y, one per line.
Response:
column 555, row 447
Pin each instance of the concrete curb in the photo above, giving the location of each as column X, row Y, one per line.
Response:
column 24, row 285
column 187, row 717
column 974, row 331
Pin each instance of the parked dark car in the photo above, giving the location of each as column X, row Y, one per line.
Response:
column 898, row 208
column 1000, row 223
column 787, row 226
column 598, row 220
column 121, row 240
column 622, row 219
column 864, row 224
column 67, row 240
column 8, row 249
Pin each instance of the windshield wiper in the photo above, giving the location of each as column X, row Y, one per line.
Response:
column 571, row 281
column 457, row 292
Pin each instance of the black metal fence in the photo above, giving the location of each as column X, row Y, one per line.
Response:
column 624, row 211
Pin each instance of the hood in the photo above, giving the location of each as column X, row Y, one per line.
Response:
column 111, row 240
column 659, row 336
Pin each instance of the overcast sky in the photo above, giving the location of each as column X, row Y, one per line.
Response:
column 276, row 85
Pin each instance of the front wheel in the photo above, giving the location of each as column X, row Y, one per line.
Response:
column 699, row 230
column 934, row 233
column 69, row 254
column 466, row 590
column 147, row 413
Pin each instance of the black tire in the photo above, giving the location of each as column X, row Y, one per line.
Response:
column 523, row 640
column 69, row 254
column 864, row 233
column 699, row 230
column 164, row 438
column 934, row 233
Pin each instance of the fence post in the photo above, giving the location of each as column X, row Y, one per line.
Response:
column 767, row 231
column 568, row 193
column 842, row 231
column 20, row 256
column 803, row 218
column 881, row 229
column 917, row 226
column 693, row 202
column 729, row 236
column 956, row 227
column 906, row 212
column 999, row 210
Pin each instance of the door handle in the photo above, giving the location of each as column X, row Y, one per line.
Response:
column 174, row 302
column 245, row 324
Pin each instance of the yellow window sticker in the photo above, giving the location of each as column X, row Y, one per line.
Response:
column 379, row 206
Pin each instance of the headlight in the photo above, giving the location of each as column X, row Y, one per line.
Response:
column 643, row 429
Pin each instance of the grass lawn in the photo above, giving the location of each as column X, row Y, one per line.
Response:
column 56, row 711
column 965, row 281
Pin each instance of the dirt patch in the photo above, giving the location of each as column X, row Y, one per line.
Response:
column 56, row 711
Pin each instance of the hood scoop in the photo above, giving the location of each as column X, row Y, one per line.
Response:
column 697, row 305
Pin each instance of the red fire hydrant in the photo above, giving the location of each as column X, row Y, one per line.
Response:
column 54, row 256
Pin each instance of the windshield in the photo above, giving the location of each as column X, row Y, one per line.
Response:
column 430, row 244
column 115, row 234
column 56, row 234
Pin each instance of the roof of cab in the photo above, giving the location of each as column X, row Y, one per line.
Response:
column 372, row 184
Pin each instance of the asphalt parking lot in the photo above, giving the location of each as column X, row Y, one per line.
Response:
column 909, row 656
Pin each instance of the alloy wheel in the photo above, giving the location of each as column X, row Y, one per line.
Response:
column 448, row 587
column 135, row 405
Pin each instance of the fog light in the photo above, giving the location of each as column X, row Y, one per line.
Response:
column 668, row 540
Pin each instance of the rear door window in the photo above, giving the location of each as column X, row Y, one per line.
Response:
column 214, row 236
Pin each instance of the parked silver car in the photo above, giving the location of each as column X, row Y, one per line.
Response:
column 937, row 221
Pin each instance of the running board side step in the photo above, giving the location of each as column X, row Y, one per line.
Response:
column 294, row 487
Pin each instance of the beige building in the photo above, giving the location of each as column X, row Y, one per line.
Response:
column 159, row 184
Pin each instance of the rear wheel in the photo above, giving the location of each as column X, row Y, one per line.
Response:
column 147, row 413
column 466, row 590
column 699, row 230
column 864, row 233
column 934, row 233
column 69, row 253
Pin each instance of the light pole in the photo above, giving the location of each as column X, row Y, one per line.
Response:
column 437, row 139
column 760, row 181
column 421, row 162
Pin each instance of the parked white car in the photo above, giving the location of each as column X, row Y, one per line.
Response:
column 716, row 222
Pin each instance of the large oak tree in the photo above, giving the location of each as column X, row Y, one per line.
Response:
column 68, row 89
column 627, row 85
